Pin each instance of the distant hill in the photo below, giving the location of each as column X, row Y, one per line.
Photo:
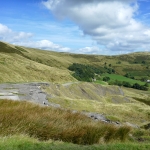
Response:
column 22, row 64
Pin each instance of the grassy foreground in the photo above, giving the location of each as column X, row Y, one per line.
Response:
column 46, row 123
column 22, row 142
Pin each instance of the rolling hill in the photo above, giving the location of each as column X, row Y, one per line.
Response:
column 22, row 64
column 125, row 106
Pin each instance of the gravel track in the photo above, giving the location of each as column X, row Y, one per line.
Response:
column 24, row 91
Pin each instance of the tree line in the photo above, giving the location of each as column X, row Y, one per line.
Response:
column 129, row 85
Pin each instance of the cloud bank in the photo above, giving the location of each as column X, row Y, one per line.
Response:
column 24, row 39
column 45, row 45
column 8, row 35
column 111, row 23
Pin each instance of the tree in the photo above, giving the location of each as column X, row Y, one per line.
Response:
column 106, row 79
column 146, row 85
column 136, row 86
column 126, row 84
column 119, row 62
column 127, row 75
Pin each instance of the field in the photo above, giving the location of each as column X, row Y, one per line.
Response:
column 101, row 82
column 114, row 77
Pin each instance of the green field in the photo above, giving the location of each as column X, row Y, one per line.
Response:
column 114, row 77
column 101, row 82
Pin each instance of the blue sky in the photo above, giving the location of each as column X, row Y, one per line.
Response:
column 104, row 27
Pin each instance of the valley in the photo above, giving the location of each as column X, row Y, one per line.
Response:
column 40, row 83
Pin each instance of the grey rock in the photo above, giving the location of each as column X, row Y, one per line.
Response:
column 95, row 116
column 24, row 91
column 131, row 125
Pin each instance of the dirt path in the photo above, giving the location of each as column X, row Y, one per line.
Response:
column 24, row 91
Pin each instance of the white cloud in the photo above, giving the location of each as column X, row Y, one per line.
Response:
column 111, row 23
column 90, row 50
column 8, row 35
column 4, row 29
column 44, row 44
column 23, row 39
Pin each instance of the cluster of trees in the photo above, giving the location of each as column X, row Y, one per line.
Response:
column 128, row 75
column 87, row 72
column 144, row 79
column 140, row 87
column 106, row 79
column 84, row 72
column 127, row 84
column 108, row 68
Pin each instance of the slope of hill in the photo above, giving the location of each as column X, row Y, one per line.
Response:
column 15, row 66
column 28, row 64
column 118, row 104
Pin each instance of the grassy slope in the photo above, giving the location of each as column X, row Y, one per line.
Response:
column 16, row 67
column 29, row 126
column 103, row 99
column 46, row 123
column 132, row 63
column 28, row 64
column 63, row 60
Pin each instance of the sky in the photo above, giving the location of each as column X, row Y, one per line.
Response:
column 102, row 27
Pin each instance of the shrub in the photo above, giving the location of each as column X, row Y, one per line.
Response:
column 106, row 79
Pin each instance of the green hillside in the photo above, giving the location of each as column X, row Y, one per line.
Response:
column 16, row 66
column 21, row 64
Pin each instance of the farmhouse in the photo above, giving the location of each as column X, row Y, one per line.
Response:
column 148, row 81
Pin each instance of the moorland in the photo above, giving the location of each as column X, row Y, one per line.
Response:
column 116, row 87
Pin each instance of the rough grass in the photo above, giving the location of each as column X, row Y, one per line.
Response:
column 46, row 123
column 16, row 68
column 102, row 99
column 22, row 142
column 135, row 113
